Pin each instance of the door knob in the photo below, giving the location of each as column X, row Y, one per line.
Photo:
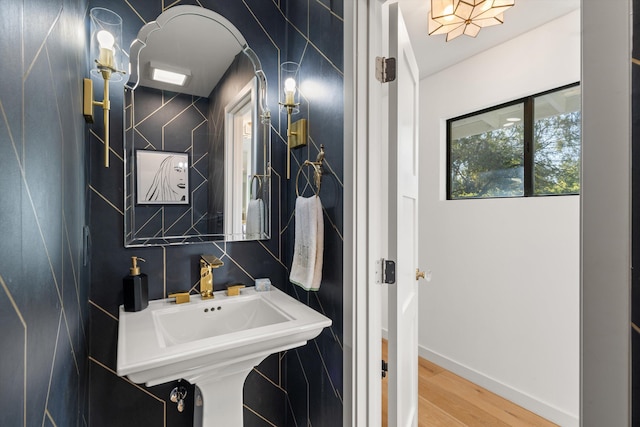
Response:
column 419, row 274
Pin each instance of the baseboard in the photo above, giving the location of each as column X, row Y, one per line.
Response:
column 534, row 405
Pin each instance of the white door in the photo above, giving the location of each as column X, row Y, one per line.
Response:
column 238, row 166
column 403, row 226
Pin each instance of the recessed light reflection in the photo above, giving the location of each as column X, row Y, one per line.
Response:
column 506, row 125
column 513, row 119
column 170, row 77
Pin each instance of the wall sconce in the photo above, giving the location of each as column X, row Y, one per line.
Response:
column 457, row 17
column 296, row 132
column 106, row 42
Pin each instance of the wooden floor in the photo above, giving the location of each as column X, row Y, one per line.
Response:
column 449, row 400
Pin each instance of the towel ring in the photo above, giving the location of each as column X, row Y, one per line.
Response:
column 317, row 176
column 317, row 171
column 251, row 186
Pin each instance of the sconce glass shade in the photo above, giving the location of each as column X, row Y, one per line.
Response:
column 457, row 17
column 106, row 42
column 290, row 78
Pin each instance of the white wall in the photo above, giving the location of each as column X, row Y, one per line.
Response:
column 502, row 308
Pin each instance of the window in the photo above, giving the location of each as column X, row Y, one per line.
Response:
column 529, row 147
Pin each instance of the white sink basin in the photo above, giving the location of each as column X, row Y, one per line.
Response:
column 178, row 324
column 212, row 343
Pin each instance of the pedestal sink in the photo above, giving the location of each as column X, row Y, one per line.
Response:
column 212, row 343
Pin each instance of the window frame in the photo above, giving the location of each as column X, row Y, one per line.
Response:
column 528, row 136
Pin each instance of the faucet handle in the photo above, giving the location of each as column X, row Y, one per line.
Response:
column 234, row 290
column 181, row 297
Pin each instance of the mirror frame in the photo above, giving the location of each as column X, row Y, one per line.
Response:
column 263, row 113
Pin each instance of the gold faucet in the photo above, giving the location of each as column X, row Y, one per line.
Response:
column 207, row 264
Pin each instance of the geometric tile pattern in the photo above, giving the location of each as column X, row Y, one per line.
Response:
column 172, row 122
column 314, row 372
column 44, row 282
column 301, row 387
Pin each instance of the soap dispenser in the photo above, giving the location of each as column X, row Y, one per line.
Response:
column 135, row 288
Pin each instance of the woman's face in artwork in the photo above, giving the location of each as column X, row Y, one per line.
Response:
column 179, row 175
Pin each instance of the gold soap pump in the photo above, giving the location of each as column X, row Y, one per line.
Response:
column 135, row 287
column 135, row 268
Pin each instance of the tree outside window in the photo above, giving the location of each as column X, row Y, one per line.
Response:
column 530, row 147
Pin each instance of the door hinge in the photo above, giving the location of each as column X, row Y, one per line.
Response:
column 385, row 69
column 385, row 368
column 385, row 271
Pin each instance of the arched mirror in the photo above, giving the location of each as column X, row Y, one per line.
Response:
column 197, row 139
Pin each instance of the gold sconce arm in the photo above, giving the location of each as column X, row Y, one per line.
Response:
column 89, row 103
column 289, row 112
column 296, row 135
column 87, row 111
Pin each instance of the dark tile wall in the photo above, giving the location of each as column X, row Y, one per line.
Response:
column 170, row 122
column 301, row 387
column 635, row 215
column 318, row 366
column 44, row 284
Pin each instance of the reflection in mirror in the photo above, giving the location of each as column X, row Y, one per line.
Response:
column 196, row 89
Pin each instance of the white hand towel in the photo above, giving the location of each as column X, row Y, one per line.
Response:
column 306, row 269
column 255, row 219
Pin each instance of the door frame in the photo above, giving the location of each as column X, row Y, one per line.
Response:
column 243, row 100
column 605, row 280
column 362, row 221
column 605, row 214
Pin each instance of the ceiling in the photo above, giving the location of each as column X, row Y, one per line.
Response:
column 433, row 54
column 197, row 45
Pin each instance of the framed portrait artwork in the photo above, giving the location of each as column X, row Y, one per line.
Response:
column 162, row 178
